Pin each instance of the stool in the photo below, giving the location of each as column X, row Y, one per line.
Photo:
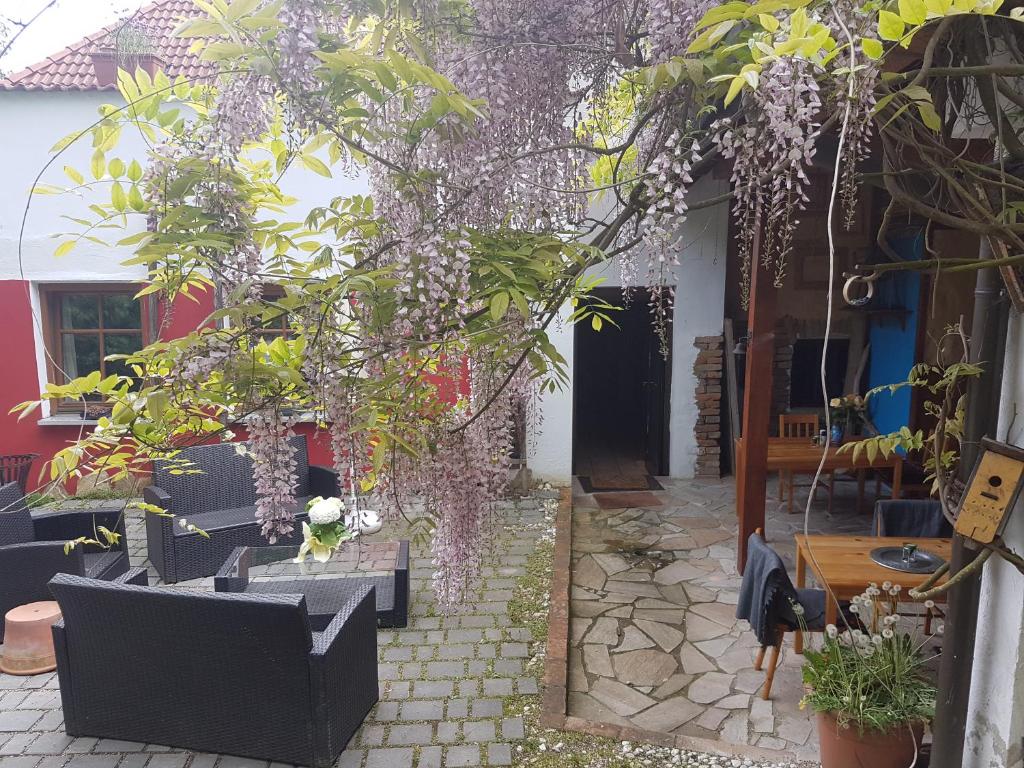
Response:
column 28, row 639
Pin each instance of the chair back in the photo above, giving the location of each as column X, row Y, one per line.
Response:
column 766, row 593
column 224, row 480
column 802, row 426
column 176, row 666
column 911, row 518
column 15, row 519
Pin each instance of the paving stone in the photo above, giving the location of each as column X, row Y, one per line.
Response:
column 736, row 701
column 668, row 715
column 596, row 660
column 587, row 573
column 514, row 650
column 611, row 563
column 487, row 708
column 633, row 639
column 512, row 728
column 26, row 761
column 603, row 630
column 794, row 730
column 672, row 686
column 647, row 667
column 499, row 754
column 709, row 687
column 402, row 735
column 734, row 728
column 390, row 757
column 372, row 735
column 448, row 732
column 712, row 718
column 18, row 720
column 692, row 661
column 667, row 637
column 762, row 718
column 677, row 572
column 700, row 628
column 430, row 757
column 460, row 756
column 620, row 698
column 432, row 689
column 159, row 761
column 714, row 648
column 527, row 685
column 50, row 743
column 498, row 686
column 457, row 708
column 479, row 730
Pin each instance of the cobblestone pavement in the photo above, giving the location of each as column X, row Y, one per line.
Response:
column 443, row 680
column 654, row 642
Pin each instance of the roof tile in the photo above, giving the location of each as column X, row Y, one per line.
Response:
column 72, row 69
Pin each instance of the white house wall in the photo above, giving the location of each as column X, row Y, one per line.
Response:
column 699, row 309
column 995, row 723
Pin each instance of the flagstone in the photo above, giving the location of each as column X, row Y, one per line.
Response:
column 587, row 573
column 734, row 729
column 693, row 661
column 672, row 686
column 611, row 563
column 677, row 572
column 587, row 707
column 674, row 618
column 619, row 697
column 587, row 609
column 646, row 667
column 604, row 630
column 709, row 687
column 715, row 648
column 698, row 594
column 704, row 537
column 622, row 612
column 577, row 675
column 633, row 589
column 674, row 593
column 712, row 718
column 656, row 604
column 717, row 612
column 736, row 658
column 735, row 701
column 762, row 719
column 633, row 639
column 667, row 716
column 794, row 729
column 664, row 635
column 578, row 628
column 699, row 628
column 596, row 660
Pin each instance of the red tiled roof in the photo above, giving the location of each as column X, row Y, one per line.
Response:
column 72, row 68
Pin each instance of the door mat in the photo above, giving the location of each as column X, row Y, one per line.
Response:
column 626, row 499
column 602, row 484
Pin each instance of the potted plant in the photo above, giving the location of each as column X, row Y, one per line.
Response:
column 129, row 48
column 869, row 687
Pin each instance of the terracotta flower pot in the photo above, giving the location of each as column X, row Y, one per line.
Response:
column 848, row 748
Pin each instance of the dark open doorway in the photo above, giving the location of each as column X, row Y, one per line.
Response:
column 620, row 399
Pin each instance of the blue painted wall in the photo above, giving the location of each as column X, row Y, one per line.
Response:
column 893, row 338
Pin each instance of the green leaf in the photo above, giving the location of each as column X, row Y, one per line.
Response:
column 914, row 12
column 734, row 89
column 134, row 170
column 929, row 116
column 499, row 305
column 768, row 21
column 74, row 175
column 872, row 48
column 117, row 167
column 118, row 198
column 98, row 164
column 315, row 164
column 595, row 322
column 890, row 26
column 64, row 248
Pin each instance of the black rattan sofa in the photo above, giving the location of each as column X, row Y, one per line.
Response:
column 32, row 548
column 220, row 500
column 210, row 672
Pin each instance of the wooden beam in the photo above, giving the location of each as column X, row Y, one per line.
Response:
column 752, row 474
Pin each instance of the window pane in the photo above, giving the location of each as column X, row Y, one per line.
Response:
column 121, row 344
column 80, row 310
column 81, row 354
column 120, row 310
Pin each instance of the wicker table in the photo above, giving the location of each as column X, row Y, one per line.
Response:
column 384, row 565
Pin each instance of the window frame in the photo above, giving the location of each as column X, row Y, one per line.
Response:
column 50, row 295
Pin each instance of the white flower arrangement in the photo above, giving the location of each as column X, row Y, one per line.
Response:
column 325, row 511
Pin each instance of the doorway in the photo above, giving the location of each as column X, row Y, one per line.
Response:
column 620, row 399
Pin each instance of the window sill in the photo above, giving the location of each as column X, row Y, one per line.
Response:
column 66, row 420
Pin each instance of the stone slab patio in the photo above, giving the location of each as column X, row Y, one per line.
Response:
column 443, row 681
column 654, row 643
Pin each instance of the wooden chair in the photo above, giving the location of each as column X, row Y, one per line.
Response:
column 775, row 615
column 803, row 427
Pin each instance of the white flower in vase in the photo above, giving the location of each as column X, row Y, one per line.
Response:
column 325, row 511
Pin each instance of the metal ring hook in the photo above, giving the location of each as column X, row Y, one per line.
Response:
column 862, row 300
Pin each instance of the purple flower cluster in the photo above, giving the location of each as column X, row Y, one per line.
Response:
column 274, row 471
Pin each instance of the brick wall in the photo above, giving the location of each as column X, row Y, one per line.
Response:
column 708, row 429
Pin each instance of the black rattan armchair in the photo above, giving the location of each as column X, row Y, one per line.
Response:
column 32, row 548
column 213, row 672
column 220, row 499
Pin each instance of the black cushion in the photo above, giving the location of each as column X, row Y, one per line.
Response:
column 219, row 519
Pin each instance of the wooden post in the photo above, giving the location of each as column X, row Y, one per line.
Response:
column 752, row 474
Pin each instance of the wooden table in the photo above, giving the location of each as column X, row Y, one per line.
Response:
column 803, row 456
column 843, row 567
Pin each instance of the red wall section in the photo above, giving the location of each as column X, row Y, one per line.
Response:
column 186, row 315
column 20, row 382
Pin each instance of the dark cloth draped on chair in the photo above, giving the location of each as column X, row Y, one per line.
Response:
column 912, row 518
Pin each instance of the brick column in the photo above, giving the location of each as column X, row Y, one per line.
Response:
column 708, row 429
